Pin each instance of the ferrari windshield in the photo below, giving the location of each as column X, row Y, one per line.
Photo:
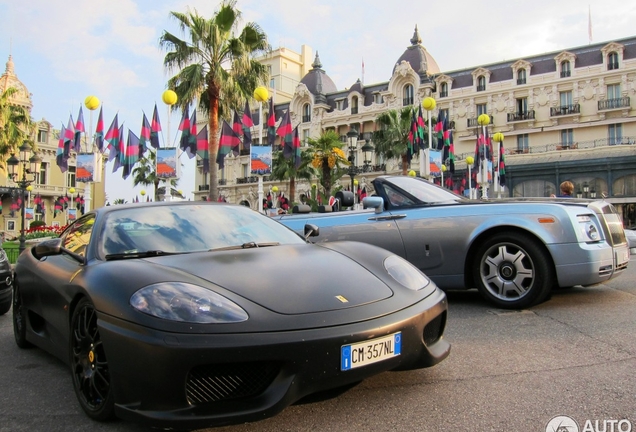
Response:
column 424, row 191
column 188, row 228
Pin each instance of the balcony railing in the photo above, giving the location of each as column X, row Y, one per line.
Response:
column 204, row 187
column 481, row 87
column 565, row 73
column 354, row 110
column 612, row 66
column 407, row 101
column 565, row 110
column 521, row 116
column 472, row 122
column 443, row 94
column 614, row 103
column 521, row 81
column 306, row 118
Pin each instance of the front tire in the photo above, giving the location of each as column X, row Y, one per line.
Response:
column 513, row 271
column 19, row 318
column 89, row 366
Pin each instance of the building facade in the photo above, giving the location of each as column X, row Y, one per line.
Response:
column 565, row 115
column 50, row 183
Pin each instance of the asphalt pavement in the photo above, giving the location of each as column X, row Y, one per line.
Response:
column 574, row 356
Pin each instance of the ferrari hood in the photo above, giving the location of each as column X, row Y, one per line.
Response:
column 287, row 279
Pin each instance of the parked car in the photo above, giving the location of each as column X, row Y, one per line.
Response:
column 631, row 239
column 514, row 251
column 6, row 278
column 187, row 315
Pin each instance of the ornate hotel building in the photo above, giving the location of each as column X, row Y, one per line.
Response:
column 50, row 183
column 565, row 115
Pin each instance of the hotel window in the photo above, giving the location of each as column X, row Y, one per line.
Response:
column 40, row 178
column 305, row 136
column 43, row 136
column 522, row 143
column 443, row 90
column 615, row 134
column 612, row 61
column 377, row 98
column 70, row 177
column 613, row 91
column 354, row 105
column 481, row 83
column 272, row 83
column 408, row 95
column 246, row 170
column 306, row 113
column 481, row 109
column 444, row 112
column 565, row 69
column 565, row 98
column 521, row 76
column 339, row 104
column 522, row 106
column 567, row 137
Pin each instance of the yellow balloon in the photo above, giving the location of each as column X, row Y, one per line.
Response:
column 483, row 119
column 72, row 190
column 355, row 182
column 498, row 137
column 261, row 94
column 169, row 97
column 275, row 189
column 443, row 168
column 143, row 192
column 91, row 102
column 470, row 160
column 429, row 103
column 29, row 188
column 412, row 173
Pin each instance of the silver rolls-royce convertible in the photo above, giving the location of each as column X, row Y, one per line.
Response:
column 514, row 251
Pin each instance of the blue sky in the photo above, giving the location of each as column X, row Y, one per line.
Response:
column 66, row 50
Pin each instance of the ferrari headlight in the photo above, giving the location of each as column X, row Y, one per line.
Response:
column 178, row 301
column 405, row 273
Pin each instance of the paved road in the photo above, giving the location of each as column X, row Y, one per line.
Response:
column 574, row 355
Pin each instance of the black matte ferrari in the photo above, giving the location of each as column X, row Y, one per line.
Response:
column 197, row 314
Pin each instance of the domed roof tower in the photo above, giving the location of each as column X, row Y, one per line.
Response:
column 8, row 80
column 318, row 82
column 416, row 55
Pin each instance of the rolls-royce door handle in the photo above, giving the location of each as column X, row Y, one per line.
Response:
column 388, row 217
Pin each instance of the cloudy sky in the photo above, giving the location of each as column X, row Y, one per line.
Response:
column 66, row 50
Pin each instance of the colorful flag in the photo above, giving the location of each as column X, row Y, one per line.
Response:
column 131, row 155
column 296, row 147
column 285, row 132
column 192, row 148
column 439, row 130
column 228, row 142
column 144, row 136
column 69, row 137
column 184, row 127
column 271, row 124
column 203, row 149
column 112, row 138
column 155, row 128
column 248, row 124
column 99, row 132
column 120, row 151
column 60, row 159
column 79, row 129
column 412, row 138
column 451, row 153
column 421, row 129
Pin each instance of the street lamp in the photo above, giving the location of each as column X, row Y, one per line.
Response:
column 366, row 149
column 352, row 136
column 586, row 189
column 33, row 167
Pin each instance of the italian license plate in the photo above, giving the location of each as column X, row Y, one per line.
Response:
column 371, row 351
column 622, row 256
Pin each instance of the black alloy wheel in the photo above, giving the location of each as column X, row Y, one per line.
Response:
column 513, row 270
column 89, row 366
column 19, row 318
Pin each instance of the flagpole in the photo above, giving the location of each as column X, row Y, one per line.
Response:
column 169, row 97
column 483, row 120
column 261, row 94
column 429, row 105
column 498, row 137
column 92, row 103
column 469, row 162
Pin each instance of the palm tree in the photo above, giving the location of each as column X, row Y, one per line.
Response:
column 214, row 67
column 284, row 168
column 327, row 156
column 392, row 139
column 145, row 173
column 15, row 124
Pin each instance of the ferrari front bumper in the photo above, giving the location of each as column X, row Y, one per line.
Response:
column 177, row 380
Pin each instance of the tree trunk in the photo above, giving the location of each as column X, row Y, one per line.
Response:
column 213, row 143
column 326, row 178
column 292, row 190
column 405, row 165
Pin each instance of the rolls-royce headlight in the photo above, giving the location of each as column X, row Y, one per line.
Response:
column 178, row 301
column 588, row 227
column 405, row 273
